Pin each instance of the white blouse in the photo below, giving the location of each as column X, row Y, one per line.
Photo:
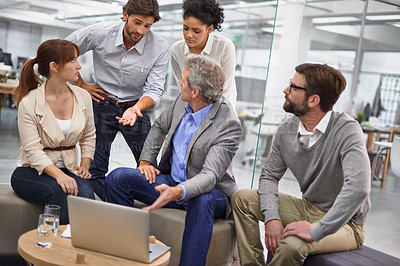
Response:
column 64, row 126
column 219, row 49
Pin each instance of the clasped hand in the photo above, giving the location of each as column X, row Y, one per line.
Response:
column 83, row 172
column 149, row 171
column 67, row 184
column 274, row 232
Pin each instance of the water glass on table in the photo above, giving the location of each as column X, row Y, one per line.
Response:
column 54, row 210
column 45, row 230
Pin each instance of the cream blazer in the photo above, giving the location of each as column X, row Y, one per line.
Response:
column 38, row 129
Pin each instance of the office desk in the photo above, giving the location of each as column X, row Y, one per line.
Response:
column 7, row 88
column 371, row 131
column 63, row 253
column 374, row 132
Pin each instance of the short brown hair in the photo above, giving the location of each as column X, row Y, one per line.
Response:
column 147, row 8
column 325, row 81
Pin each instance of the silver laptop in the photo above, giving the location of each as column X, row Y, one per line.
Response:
column 112, row 229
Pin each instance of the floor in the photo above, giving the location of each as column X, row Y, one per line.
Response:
column 382, row 228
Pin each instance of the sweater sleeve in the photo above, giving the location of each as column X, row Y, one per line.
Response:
column 271, row 173
column 356, row 186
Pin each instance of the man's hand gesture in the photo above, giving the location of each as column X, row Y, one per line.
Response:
column 130, row 115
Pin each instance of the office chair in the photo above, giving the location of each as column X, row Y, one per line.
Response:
column 383, row 156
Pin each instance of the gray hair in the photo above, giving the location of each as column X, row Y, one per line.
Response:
column 206, row 76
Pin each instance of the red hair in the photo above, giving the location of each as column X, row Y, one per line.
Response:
column 57, row 51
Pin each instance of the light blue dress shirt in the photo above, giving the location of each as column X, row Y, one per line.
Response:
column 127, row 75
column 180, row 142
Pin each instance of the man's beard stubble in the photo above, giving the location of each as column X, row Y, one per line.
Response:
column 297, row 110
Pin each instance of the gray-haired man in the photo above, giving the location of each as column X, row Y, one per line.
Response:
column 201, row 132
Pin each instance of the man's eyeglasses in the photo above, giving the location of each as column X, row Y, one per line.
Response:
column 291, row 86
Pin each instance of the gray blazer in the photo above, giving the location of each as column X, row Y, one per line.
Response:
column 210, row 151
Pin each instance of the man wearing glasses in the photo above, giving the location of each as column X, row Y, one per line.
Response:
column 326, row 153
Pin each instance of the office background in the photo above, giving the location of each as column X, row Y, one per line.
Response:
column 360, row 38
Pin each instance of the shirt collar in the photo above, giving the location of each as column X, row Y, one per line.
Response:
column 199, row 116
column 120, row 38
column 139, row 46
column 207, row 48
column 321, row 127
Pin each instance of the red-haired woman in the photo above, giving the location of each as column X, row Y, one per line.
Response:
column 53, row 116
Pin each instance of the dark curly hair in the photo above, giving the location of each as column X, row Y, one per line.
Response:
column 207, row 11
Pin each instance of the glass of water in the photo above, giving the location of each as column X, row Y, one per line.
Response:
column 55, row 210
column 46, row 230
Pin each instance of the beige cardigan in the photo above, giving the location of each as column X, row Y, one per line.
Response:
column 39, row 129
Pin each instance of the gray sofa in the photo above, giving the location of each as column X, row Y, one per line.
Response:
column 19, row 216
column 16, row 217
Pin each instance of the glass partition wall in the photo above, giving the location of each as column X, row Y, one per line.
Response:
column 250, row 25
column 307, row 31
column 358, row 37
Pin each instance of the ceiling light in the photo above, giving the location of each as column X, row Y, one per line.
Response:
column 389, row 17
column 395, row 24
column 334, row 20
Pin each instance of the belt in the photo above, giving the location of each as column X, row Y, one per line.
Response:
column 60, row 148
column 117, row 103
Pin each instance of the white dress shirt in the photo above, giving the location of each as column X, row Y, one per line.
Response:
column 219, row 49
column 307, row 138
column 64, row 126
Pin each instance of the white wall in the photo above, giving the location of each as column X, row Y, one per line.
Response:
column 19, row 39
column 54, row 33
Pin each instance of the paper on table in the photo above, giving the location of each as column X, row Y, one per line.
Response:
column 67, row 232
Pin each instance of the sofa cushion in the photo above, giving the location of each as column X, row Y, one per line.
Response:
column 168, row 226
column 17, row 217
column 365, row 256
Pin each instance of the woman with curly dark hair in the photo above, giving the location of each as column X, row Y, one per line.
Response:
column 200, row 19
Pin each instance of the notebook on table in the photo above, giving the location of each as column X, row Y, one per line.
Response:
column 112, row 229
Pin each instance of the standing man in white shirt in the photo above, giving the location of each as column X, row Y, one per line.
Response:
column 130, row 64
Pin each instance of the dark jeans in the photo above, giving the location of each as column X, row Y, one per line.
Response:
column 43, row 189
column 107, row 127
column 123, row 185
